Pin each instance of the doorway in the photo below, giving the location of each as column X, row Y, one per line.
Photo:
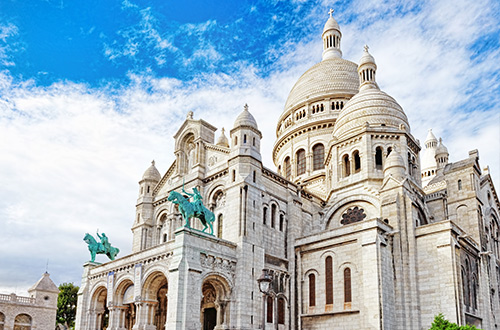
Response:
column 209, row 318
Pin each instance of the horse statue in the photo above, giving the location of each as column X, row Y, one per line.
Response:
column 193, row 210
column 102, row 247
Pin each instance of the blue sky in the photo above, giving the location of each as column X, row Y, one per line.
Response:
column 92, row 91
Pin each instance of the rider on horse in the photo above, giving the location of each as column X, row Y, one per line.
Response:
column 104, row 241
column 197, row 200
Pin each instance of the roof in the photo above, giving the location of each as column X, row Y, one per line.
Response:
column 44, row 284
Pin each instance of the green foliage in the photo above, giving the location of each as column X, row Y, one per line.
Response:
column 440, row 323
column 66, row 305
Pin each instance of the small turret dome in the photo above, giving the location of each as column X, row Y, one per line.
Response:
column 245, row 118
column 367, row 58
column 441, row 149
column 222, row 140
column 152, row 173
column 331, row 24
column 394, row 165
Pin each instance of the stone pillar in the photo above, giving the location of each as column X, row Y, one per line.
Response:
column 83, row 303
column 184, row 283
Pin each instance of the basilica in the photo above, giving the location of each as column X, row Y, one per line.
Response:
column 358, row 226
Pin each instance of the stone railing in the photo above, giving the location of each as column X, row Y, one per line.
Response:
column 13, row 298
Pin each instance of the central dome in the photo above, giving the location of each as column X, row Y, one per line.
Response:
column 329, row 77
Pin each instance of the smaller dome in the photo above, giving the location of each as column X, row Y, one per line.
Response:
column 430, row 137
column 367, row 58
column 245, row 118
column 331, row 24
column 394, row 164
column 152, row 173
column 372, row 106
column 441, row 149
column 222, row 140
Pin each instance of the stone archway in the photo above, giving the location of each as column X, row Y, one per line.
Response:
column 214, row 314
column 99, row 313
column 154, row 306
column 125, row 311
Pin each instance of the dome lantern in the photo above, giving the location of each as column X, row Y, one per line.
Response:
column 331, row 38
column 366, row 70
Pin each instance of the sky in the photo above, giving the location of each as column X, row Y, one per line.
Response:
column 92, row 91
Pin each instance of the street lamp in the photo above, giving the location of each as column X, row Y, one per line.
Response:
column 265, row 282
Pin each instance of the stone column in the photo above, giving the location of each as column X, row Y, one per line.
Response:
column 184, row 283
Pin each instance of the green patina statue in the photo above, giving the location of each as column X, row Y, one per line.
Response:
column 104, row 247
column 194, row 209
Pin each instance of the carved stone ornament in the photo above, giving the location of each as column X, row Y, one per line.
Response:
column 352, row 215
column 217, row 263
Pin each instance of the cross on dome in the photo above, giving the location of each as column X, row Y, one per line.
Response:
column 246, row 107
column 366, row 48
column 331, row 12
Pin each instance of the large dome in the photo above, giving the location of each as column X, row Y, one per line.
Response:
column 334, row 76
column 370, row 106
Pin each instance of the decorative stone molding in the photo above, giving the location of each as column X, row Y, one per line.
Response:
column 218, row 263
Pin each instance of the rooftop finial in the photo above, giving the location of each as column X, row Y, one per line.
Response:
column 153, row 162
column 330, row 12
column 366, row 48
column 246, row 107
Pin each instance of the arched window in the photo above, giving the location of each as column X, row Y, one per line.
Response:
column 269, row 309
column 329, row 280
column 357, row 161
column 301, row 162
column 473, row 290
column 273, row 215
column 281, row 310
column 282, row 220
column 264, row 215
column 219, row 226
column 235, row 140
column 378, row 158
column 347, row 288
column 22, row 322
column 459, row 184
column 318, row 157
column 287, row 168
column 312, row 290
column 244, row 138
column 465, row 291
column 347, row 165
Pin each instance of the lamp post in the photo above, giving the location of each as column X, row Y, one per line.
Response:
column 265, row 287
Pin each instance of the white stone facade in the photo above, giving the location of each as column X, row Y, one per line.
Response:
column 36, row 312
column 355, row 234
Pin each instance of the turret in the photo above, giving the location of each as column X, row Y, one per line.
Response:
column 366, row 70
column 429, row 164
column 222, row 140
column 45, row 292
column 245, row 136
column 394, row 165
column 331, row 39
column 144, row 209
column 441, row 155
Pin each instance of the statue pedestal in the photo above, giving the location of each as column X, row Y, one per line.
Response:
column 81, row 320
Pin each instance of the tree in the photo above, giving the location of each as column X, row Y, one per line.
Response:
column 66, row 305
column 440, row 323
